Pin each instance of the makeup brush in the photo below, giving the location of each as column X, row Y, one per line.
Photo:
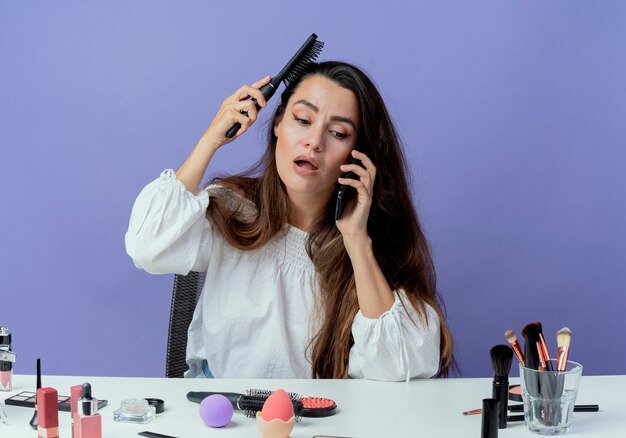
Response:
column 33, row 421
column 514, row 343
column 530, row 332
column 563, row 338
column 520, row 408
column 546, row 353
column 501, row 359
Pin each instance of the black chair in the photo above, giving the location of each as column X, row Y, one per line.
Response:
column 187, row 289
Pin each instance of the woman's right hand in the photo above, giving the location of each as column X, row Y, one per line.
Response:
column 230, row 113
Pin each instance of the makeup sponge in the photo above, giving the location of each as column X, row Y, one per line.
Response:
column 216, row 410
column 277, row 405
column 276, row 419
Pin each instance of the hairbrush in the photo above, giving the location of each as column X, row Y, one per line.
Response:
column 252, row 402
column 249, row 403
column 290, row 73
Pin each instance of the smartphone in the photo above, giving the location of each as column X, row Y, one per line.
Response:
column 345, row 193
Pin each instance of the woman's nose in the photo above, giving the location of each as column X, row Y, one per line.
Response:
column 315, row 139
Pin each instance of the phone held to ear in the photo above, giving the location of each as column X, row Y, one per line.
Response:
column 345, row 193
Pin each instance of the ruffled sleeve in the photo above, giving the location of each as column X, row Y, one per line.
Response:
column 394, row 348
column 168, row 230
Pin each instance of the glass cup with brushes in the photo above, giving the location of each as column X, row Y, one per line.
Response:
column 549, row 386
column 549, row 397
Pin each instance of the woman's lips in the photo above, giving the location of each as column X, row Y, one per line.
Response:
column 306, row 166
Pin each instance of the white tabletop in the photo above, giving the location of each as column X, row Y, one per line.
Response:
column 422, row 408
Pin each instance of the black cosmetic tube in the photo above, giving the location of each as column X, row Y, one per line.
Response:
column 489, row 426
column 500, row 393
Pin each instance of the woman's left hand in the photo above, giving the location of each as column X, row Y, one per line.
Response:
column 353, row 224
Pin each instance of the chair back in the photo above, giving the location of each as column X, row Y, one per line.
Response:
column 187, row 289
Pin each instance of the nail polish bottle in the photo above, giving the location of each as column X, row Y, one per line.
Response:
column 7, row 357
column 89, row 421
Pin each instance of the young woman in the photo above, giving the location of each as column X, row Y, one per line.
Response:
column 289, row 291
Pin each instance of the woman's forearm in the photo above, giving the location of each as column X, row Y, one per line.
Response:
column 192, row 170
column 373, row 291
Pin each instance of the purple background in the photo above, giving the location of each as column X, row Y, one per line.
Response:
column 514, row 120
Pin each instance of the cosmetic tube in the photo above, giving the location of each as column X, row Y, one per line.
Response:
column 89, row 421
column 489, row 426
column 7, row 357
column 47, row 413
column 500, row 393
column 76, row 392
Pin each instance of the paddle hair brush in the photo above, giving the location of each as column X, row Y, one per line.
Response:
column 290, row 73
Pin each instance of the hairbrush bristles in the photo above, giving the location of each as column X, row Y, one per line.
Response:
column 501, row 359
column 300, row 67
column 255, row 398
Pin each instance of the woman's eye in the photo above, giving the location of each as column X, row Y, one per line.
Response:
column 339, row 135
column 301, row 121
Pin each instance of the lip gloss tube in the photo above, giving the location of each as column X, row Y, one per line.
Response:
column 7, row 357
column 47, row 413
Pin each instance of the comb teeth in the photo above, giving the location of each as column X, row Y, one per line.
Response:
column 301, row 66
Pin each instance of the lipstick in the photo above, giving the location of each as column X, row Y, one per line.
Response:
column 47, row 413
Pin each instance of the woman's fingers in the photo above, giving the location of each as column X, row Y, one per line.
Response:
column 366, row 171
column 249, row 107
column 261, row 82
column 231, row 110
column 365, row 161
column 246, row 91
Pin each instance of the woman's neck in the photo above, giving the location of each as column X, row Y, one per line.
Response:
column 306, row 209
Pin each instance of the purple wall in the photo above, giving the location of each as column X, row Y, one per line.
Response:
column 513, row 115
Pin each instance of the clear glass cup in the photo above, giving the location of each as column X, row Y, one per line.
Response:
column 549, row 397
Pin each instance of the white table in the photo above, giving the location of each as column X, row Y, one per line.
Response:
column 423, row 408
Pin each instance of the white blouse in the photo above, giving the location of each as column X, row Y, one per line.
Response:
column 253, row 318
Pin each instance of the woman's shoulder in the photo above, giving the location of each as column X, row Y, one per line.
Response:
column 232, row 196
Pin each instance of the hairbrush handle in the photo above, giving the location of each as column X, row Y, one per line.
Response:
column 268, row 91
column 233, row 397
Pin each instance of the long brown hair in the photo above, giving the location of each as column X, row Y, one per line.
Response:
column 398, row 241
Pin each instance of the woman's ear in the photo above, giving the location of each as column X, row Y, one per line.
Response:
column 276, row 129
